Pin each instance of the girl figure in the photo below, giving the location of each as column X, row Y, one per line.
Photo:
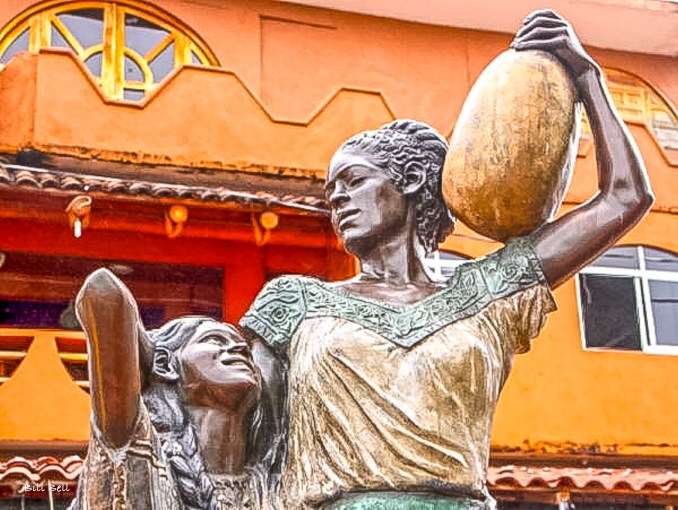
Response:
column 387, row 383
column 172, row 410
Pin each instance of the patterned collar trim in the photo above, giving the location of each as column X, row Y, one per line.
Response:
column 286, row 301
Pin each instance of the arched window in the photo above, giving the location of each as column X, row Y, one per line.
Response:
column 442, row 263
column 638, row 101
column 628, row 299
column 128, row 47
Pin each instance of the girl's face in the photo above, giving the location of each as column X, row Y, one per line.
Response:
column 365, row 205
column 217, row 369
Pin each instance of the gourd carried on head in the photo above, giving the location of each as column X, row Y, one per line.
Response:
column 513, row 147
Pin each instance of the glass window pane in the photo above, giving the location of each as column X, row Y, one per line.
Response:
column 152, row 316
column 86, row 25
column 141, row 35
column 660, row 260
column 132, row 71
column 450, row 255
column 664, row 298
column 195, row 59
column 93, row 63
column 162, row 291
column 447, row 271
column 58, row 40
column 19, row 44
column 163, row 64
column 36, row 314
column 620, row 256
column 610, row 312
column 133, row 95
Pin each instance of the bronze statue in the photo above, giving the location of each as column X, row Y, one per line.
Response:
column 173, row 411
column 376, row 392
column 386, row 383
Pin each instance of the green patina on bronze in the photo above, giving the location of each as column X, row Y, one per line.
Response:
column 403, row 501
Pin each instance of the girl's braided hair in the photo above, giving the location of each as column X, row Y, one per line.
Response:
column 171, row 422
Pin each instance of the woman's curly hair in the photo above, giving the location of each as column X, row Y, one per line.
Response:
column 395, row 146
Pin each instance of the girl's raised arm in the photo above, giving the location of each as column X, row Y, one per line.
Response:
column 116, row 344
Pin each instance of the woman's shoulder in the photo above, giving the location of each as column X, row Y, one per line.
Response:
column 277, row 310
column 512, row 268
column 289, row 283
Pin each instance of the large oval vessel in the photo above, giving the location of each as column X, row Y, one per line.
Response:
column 513, row 147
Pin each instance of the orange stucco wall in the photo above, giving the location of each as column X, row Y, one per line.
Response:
column 40, row 402
column 293, row 57
column 296, row 82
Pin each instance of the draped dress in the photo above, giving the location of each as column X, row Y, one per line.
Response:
column 391, row 406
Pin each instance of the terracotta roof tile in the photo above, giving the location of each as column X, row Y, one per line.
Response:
column 499, row 477
column 42, row 179
column 607, row 479
column 41, row 469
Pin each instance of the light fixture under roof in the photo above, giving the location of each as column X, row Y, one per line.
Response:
column 120, row 269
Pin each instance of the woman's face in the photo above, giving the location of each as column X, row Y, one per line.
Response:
column 217, row 369
column 366, row 206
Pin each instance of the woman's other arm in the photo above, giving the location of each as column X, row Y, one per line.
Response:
column 274, row 419
column 624, row 196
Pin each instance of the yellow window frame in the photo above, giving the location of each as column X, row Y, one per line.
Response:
column 42, row 18
column 638, row 101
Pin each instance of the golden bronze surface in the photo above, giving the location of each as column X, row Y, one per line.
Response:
column 394, row 417
column 509, row 161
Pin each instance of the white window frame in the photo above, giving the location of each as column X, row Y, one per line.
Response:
column 435, row 263
column 641, row 279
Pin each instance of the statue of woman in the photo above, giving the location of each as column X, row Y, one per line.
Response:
column 172, row 410
column 387, row 383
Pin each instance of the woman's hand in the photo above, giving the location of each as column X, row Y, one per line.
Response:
column 546, row 31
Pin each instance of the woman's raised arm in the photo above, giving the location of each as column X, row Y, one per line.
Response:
column 572, row 241
column 116, row 344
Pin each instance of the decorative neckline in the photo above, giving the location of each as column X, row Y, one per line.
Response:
column 405, row 325
column 288, row 300
column 375, row 302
